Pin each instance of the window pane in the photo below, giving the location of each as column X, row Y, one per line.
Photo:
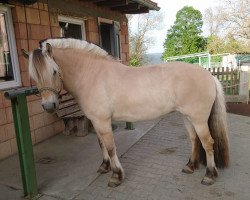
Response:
column 105, row 30
column 6, row 70
column 70, row 30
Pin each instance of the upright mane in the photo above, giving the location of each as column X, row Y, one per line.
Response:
column 76, row 44
column 42, row 66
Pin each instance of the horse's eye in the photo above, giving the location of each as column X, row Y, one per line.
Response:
column 54, row 73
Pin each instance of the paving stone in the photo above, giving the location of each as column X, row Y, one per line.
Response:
column 153, row 165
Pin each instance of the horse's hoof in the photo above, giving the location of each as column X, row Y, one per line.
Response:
column 187, row 170
column 102, row 170
column 207, row 181
column 114, row 182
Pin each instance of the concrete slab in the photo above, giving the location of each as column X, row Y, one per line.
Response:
column 9, row 193
column 67, row 164
column 152, row 165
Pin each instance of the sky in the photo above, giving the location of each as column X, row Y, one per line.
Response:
column 169, row 8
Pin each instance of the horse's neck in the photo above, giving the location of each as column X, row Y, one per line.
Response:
column 77, row 68
column 71, row 71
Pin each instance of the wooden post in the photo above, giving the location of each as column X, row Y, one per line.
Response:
column 227, row 84
column 243, row 88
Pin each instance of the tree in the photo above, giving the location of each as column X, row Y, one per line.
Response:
column 231, row 18
column 217, row 45
column 139, row 39
column 229, row 27
column 236, row 18
column 213, row 19
column 184, row 37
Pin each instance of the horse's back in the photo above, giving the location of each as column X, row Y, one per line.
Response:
column 194, row 88
column 149, row 92
column 183, row 69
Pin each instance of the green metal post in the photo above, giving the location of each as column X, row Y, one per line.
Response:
column 24, row 144
column 130, row 126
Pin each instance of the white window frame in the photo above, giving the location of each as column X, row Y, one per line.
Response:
column 72, row 20
column 13, row 50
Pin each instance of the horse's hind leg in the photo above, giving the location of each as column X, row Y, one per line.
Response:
column 193, row 162
column 104, row 131
column 207, row 141
column 105, row 166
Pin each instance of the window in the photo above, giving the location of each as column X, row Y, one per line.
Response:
column 9, row 68
column 72, row 27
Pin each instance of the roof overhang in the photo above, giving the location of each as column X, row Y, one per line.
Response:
column 127, row 6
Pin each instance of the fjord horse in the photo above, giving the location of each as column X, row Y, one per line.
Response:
column 106, row 90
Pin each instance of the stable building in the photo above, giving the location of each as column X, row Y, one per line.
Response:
column 23, row 23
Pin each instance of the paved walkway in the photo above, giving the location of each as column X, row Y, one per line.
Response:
column 153, row 169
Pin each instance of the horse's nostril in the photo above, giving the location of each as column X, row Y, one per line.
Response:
column 43, row 106
column 54, row 104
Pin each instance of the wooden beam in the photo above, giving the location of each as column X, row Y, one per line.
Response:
column 129, row 7
column 126, row 6
column 139, row 11
column 76, row 9
column 112, row 3
column 93, row 1
column 149, row 4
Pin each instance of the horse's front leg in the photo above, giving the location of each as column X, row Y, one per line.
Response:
column 105, row 166
column 104, row 131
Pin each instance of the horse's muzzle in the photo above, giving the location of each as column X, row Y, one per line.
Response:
column 49, row 107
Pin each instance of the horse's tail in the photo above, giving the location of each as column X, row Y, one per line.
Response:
column 217, row 123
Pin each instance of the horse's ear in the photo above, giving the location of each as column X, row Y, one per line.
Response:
column 25, row 53
column 49, row 49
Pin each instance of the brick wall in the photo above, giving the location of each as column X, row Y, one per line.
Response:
column 91, row 26
column 92, row 35
column 124, row 38
column 32, row 24
column 28, row 35
column 91, row 12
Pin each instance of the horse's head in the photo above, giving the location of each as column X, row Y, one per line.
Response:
column 47, row 75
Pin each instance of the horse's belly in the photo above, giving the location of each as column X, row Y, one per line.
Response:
column 141, row 113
